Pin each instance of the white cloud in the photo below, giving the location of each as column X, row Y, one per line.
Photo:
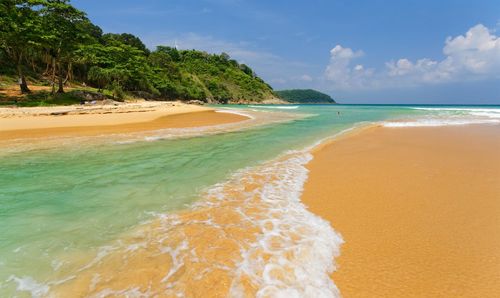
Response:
column 477, row 52
column 340, row 70
column 473, row 56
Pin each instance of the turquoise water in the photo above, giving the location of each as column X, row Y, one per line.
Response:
column 77, row 199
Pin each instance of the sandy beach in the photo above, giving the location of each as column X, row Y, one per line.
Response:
column 418, row 208
column 39, row 122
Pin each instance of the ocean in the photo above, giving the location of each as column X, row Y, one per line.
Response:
column 183, row 214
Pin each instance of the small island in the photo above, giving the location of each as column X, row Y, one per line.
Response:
column 306, row 96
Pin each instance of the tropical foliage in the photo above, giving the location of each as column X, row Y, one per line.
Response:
column 52, row 41
column 304, row 96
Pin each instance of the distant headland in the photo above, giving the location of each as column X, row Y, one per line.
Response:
column 305, row 96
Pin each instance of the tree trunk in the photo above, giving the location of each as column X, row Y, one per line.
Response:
column 22, row 80
column 33, row 65
column 61, row 80
column 53, row 76
column 69, row 73
column 48, row 62
column 47, row 68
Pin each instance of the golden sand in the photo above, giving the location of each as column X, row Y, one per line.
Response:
column 198, row 252
column 35, row 123
column 418, row 208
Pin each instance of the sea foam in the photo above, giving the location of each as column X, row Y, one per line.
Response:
column 294, row 254
column 251, row 231
column 231, row 111
column 275, row 107
column 28, row 284
column 438, row 122
column 449, row 117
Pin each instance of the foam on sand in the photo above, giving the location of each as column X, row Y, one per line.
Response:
column 274, row 107
column 248, row 236
column 231, row 111
column 28, row 284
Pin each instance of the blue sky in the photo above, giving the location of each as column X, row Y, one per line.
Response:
column 357, row 51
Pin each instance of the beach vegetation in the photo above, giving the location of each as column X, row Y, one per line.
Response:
column 52, row 43
column 305, row 96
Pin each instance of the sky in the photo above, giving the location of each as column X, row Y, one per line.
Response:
column 425, row 51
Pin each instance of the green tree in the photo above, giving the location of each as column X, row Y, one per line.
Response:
column 19, row 32
column 117, row 66
column 62, row 35
column 125, row 38
column 51, row 38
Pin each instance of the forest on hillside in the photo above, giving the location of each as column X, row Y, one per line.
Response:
column 304, row 96
column 53, row 43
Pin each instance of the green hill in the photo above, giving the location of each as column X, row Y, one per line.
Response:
column 191, row 74
column 304, row 96
column 53, row 43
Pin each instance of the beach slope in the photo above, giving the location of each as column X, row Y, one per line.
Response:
column 68, row 121
column 418, row 208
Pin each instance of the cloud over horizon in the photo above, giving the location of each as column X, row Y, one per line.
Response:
column 472, row 56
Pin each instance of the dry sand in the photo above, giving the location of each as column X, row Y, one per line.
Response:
column 18, row 123
column 418, row 208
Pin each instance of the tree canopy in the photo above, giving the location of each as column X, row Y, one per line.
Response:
column 55, row 42
column 304, row 96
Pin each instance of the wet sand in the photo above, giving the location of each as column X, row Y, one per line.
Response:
column 247, row 237
column 38, row 123
column 418, row 208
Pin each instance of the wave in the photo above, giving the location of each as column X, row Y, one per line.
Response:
column 449, row 117
column 482, row 112
column 274, row 107
column 234, row 112
column 248, row 236
column 438, row 122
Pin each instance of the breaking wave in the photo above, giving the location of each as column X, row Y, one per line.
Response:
column 248, row 236
column 450, row 117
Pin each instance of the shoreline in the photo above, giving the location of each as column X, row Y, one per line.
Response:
column 258, row 213
column 394, row 247
column 75, row 121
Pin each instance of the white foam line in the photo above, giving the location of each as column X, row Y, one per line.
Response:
column 305, row 263
column 313, row 256
column 275, row 107
column 496, row 110
column 356, row 126
column 28, row 284
column 478, row 112
column 437, row 122
column 235, row 112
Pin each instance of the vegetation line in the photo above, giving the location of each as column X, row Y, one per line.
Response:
column 51, row 43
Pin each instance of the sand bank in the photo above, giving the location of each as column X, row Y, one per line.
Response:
column 18, row 123
column 418, row 208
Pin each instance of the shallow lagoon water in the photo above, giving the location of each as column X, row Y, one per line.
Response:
column 78, row 199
